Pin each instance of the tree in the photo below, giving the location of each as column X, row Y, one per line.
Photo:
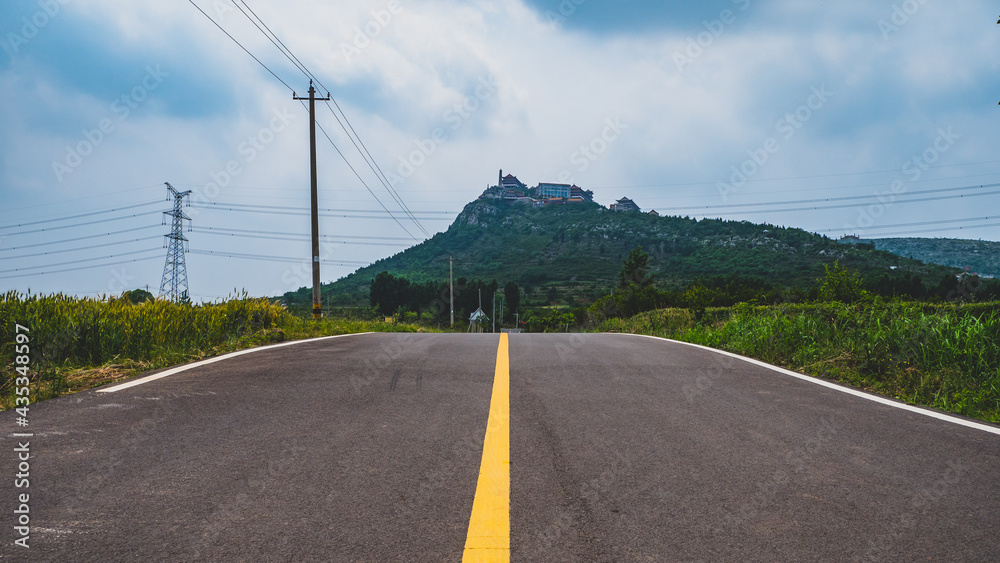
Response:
column 513, row 295
column 137, row 296
column 553, row 294
column 635, row 270
column 841, row 284
column 388, row 293
column 698, row 298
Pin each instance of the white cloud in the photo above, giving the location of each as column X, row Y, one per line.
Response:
column 556, row 89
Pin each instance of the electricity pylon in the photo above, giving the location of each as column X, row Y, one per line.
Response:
column 174, row 285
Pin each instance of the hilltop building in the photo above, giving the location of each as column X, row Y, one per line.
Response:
column 511, row 183
column 576, row 192
column 512, row 190
column 548, row 191
column 625, row 204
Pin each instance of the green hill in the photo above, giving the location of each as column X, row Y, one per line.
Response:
column 980, row 256
column 571, row 254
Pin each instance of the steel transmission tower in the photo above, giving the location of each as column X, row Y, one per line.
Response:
column 174, row 285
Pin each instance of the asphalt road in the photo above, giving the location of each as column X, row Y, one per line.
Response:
column 368, row 448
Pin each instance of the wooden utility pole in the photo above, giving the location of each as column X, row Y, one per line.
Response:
column 451, row 288
column 317, row 304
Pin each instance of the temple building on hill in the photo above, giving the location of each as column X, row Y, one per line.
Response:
column 512, row 190
column 625, row 204
column 511, row 183
column 576, row 192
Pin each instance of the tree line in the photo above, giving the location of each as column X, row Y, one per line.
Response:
column 397, row 295
column 636, row 292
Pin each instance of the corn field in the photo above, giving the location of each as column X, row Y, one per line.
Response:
column 71, row 331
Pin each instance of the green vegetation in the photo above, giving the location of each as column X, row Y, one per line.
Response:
column 79, row 343
column 980, row 256
column 570, row 256
column 944, row 356
column 428, row 302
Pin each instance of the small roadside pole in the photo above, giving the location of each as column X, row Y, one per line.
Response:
column 317, row 304
column 495, row 294
column 451, row 287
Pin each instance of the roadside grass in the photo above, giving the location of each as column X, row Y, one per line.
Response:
column 80, row 343
column 942, row 356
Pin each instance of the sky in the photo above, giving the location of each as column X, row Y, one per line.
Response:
column 875, row 118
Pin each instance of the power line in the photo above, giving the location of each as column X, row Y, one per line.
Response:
column 75, row 239
column 820, row 189
column 68, row 217
column 937, row 230
column 241, row 46
column 266, row 35
column 62, row 201
column 359, row 237
column 850, row 205
column 332, row 215
column 305, row 238
column 896, row 170
column 278, row 233
column 81, row 248
column 290, row 208
column 282, row 47
column 76, row 261
column 370, row 161
column 273, row 258
column 88, row 223
column 363, row 149
column 830, row 199
column 363, row 183
column 295, row 60
column 81, row 268
column 918, row 224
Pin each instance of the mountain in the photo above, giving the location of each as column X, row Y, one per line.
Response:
column 979, row 256
column 571, row 254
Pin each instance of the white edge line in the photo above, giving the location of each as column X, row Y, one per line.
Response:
column 185, row 367
column 841, row 388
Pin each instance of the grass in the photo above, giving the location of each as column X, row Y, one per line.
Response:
column 78, row 343
column 942, row 356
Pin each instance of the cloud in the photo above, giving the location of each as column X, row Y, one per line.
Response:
column 410, row 77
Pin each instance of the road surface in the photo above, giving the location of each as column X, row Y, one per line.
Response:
column 621, row 448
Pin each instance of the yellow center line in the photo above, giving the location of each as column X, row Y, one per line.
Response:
column 489, row 526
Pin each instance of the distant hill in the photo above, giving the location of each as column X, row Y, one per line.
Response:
column 981, row 257
column 571, row 254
